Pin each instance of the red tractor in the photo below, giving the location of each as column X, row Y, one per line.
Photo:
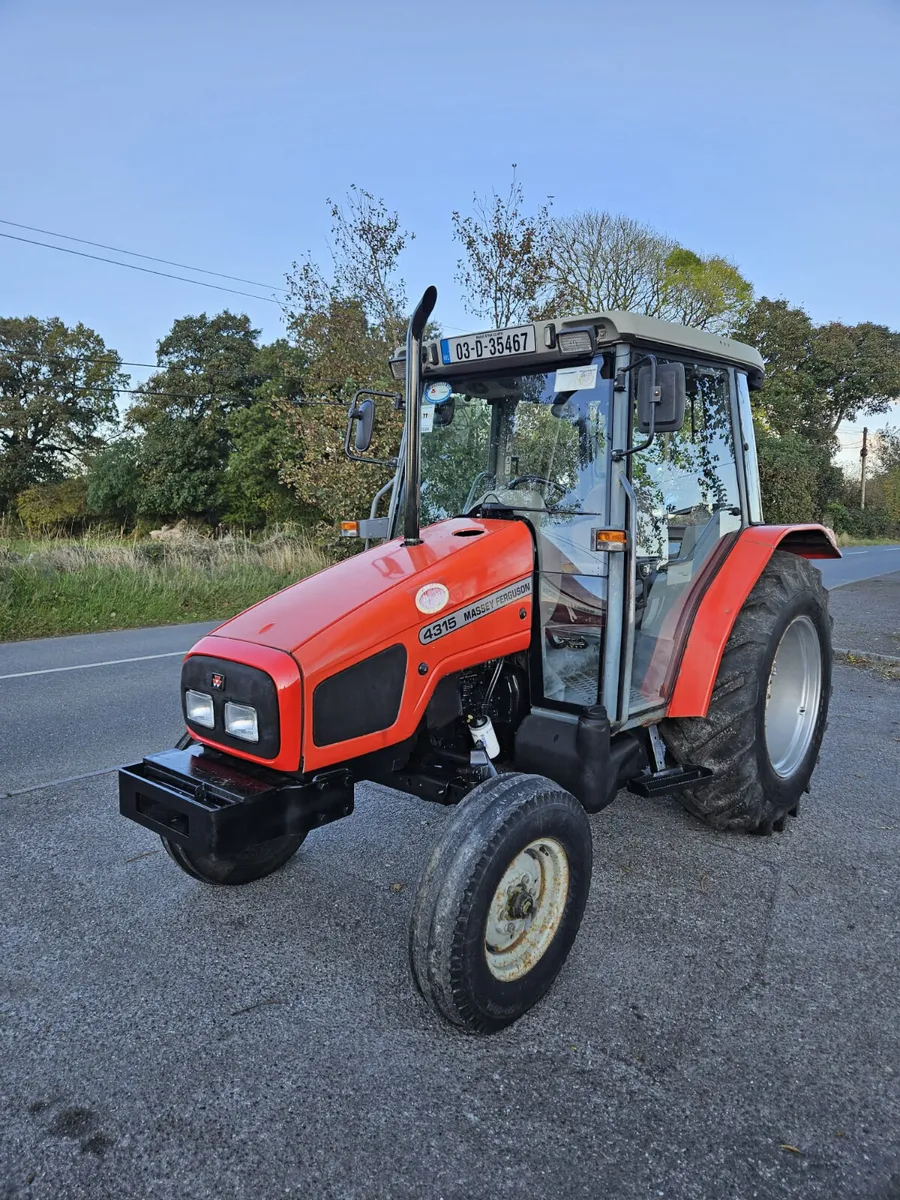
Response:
column 573, row 591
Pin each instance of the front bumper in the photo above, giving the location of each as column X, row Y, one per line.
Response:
column 219, row 805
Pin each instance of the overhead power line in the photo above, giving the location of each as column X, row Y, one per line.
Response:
column 134, row 254
column 134, row 267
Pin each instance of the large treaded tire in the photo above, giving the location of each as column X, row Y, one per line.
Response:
column 745, row 793
column 497, row 821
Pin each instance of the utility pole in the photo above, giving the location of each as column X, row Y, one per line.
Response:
column 862, row 459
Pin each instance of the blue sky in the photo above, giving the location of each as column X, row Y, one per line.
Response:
column 212, row 133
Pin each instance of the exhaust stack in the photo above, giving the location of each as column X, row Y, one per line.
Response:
column 417, row 323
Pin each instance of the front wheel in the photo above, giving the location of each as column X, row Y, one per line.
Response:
column 246, row 866
column 500, row 901
column 763, row 731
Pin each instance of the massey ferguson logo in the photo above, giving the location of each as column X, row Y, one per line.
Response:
column 218, row 681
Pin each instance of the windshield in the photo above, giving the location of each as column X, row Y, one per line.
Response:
column 534, row 441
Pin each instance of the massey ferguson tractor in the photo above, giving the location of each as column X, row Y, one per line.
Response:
column 572, row 591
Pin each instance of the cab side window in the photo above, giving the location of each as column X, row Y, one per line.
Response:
column 686, row 485
column 689, row 478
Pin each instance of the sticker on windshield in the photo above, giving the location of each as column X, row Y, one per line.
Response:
column 514, row 593
column 575, row 379
column 438, row 392
column 427, row 418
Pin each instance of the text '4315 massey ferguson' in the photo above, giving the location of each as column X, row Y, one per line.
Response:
column 573, row 591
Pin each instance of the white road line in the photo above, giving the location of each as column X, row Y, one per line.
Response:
column 39, row 787
column 112, row 662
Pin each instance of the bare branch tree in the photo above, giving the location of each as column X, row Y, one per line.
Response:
column 505, row 274
column 603, row 262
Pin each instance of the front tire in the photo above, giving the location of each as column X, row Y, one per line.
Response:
column 500, row 901
column 767, row 716
column 248, row 865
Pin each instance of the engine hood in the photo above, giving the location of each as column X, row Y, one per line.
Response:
column 370, row 648
column 470, row 558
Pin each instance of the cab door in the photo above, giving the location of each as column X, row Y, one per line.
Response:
column 572, row 574
column 688, row 507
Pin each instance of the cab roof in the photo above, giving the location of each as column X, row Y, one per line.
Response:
column 611, row 327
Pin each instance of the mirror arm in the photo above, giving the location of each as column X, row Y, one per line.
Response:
column 620, row 455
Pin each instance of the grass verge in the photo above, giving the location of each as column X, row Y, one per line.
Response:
column 846, row 539
column 85, row 588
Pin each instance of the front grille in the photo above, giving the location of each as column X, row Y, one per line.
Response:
column 242, row 685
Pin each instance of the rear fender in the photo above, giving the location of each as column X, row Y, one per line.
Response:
column 723, row 600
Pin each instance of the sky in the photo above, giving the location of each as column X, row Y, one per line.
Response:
column 214, row 133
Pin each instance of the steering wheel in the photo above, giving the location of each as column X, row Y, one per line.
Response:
column 514, row 483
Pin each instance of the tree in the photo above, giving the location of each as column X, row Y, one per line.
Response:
column 346, row 327
column 45, row 506
column 505, row 274
column 58, row 389
column 887, row 449
column 798, row 480
column 607, row 262
column 113, row 480
column 252, row 491
column 819, row 375
column 211, row 370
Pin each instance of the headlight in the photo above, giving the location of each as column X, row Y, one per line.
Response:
column 199, row 709
column 241, row 721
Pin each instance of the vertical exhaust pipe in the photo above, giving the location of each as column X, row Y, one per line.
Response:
column 412, row 471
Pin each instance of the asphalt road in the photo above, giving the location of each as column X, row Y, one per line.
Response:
column 859, row 562
column 727, row 1026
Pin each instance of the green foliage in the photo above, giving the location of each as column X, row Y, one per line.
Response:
column 46, row 506
column 181, row 464
column 345, row 328
column 709, row 293
column 57, row 393
column 819, row 376
column 113, row 482
column 798, row 478
column 252, row 492
column 186, row 427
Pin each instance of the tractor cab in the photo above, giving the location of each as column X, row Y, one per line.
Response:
column 626, row 444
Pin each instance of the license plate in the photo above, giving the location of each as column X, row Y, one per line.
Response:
column 479, row 347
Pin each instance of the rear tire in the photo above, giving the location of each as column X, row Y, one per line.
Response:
column 255, row 862
column 500, row 901
column 769, row 708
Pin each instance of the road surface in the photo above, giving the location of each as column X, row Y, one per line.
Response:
column 727, row 1026
column 859, row 562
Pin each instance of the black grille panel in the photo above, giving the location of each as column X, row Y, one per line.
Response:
column 243, row 685
column 364, row 698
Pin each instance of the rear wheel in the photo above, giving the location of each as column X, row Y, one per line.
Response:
column 500, row 901
column 254, row 862
column 762, row 734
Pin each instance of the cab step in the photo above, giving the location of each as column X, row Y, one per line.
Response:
column 662, row 783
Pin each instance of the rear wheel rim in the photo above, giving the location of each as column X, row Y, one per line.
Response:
column 792, row 696
column 526, row 909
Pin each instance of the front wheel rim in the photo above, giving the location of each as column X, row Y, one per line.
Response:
column 792, row 696
column 526, row 909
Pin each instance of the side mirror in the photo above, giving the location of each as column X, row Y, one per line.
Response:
column 669, row 398
column 443, row 413
column 364, row 416
column 361, row 421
